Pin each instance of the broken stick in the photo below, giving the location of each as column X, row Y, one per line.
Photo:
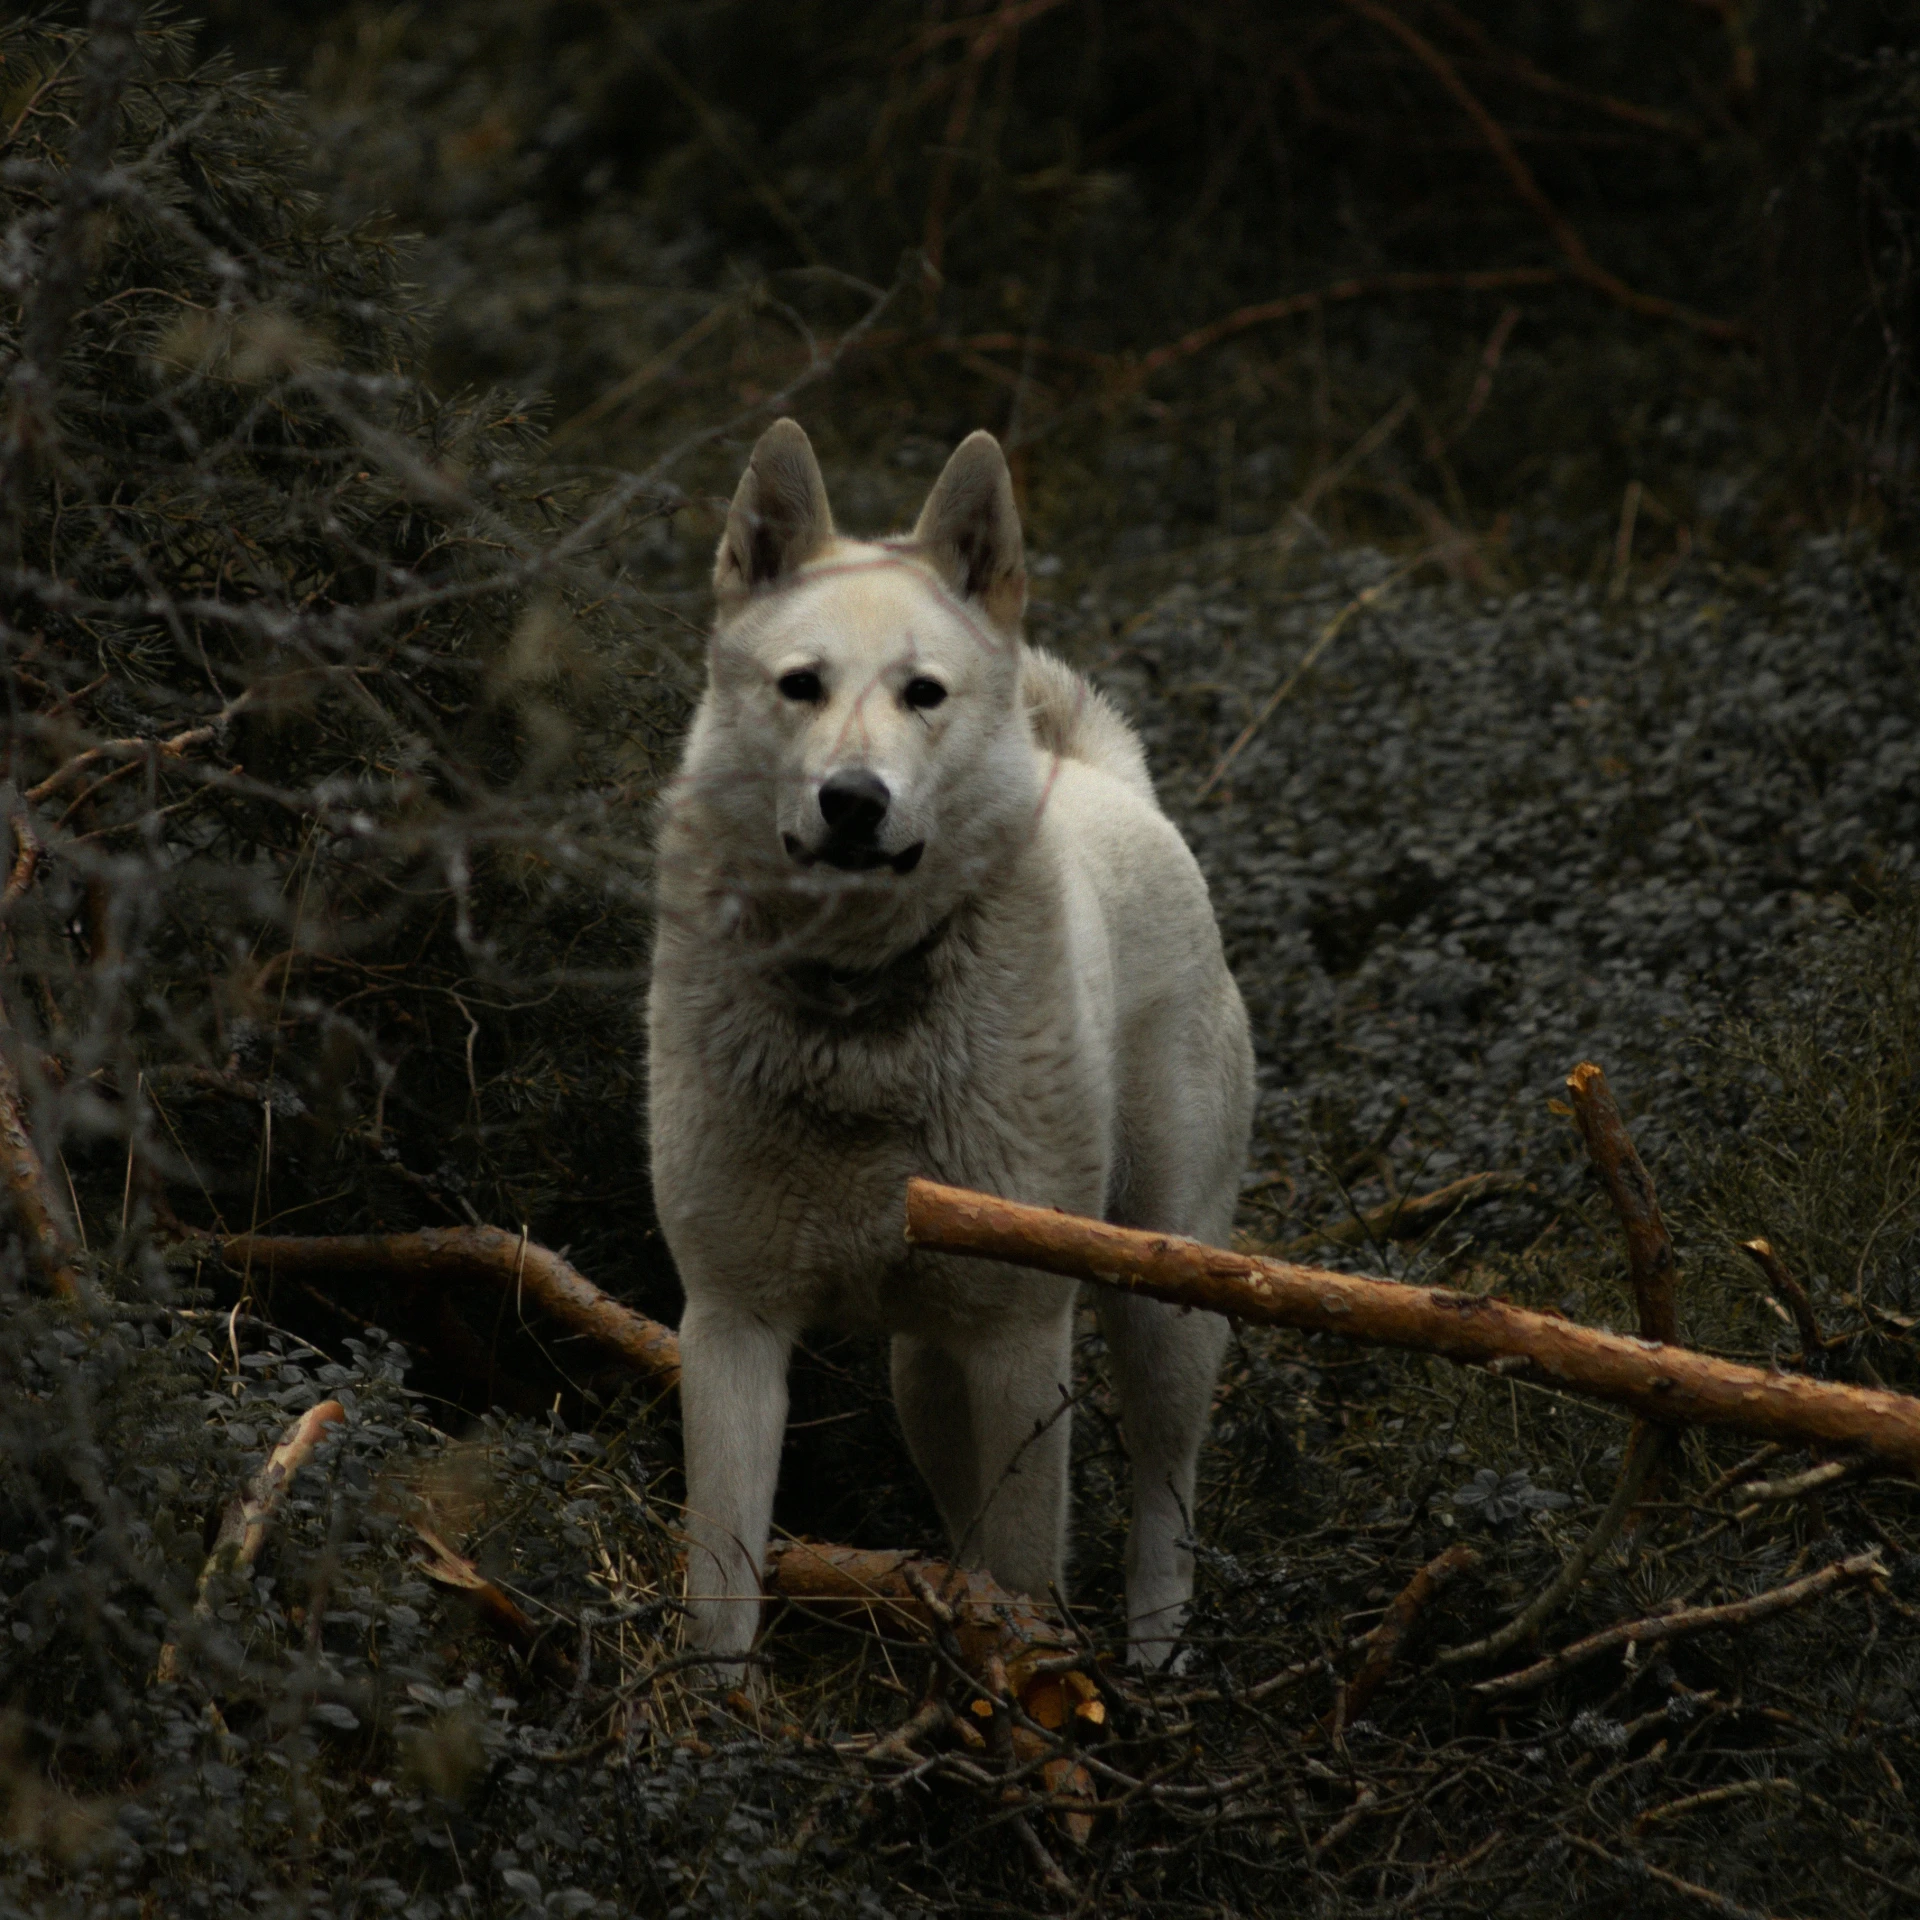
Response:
column 1630, row 1188
column 1650, row 1260
column 494, row 1258
column 1789, row 1292
column 243, row 1527
column 1666, row 1383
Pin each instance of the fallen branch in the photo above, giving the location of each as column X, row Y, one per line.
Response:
column 38, row 1216
column 1385, row 1641
column 506, row 1261
column 1666, row 1383
column 1672, row 1626
column 243, row 1527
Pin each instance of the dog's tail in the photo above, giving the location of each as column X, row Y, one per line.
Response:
column 1070, row 716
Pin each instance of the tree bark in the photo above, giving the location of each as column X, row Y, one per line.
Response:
column 1670, row 1384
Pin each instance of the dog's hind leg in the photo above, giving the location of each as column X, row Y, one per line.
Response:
column 1164, row 1361
column 1019, row 1401
column 733, row 1411
column 930, row 1391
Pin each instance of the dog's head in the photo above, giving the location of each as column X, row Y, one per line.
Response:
column 863, row 704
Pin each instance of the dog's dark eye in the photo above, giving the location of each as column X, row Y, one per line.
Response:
column 924, row 693
column 801, row 685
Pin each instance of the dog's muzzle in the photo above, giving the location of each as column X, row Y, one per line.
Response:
column 853, row 809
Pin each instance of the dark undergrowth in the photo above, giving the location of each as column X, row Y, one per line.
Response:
column 351, row 596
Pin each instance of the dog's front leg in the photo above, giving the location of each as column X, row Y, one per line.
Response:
column 733, row 1410
column 1165, row 1360
column 1019, row 1398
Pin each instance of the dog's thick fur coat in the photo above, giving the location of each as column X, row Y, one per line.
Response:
column 921, row 913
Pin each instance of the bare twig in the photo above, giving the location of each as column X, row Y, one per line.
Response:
column 1412, row 1216
column 1687, row 1889
column 1361, row 286
column 1666, row 1383
column 1829, row 1473
column 1673, row 1626
column 243, row 1527
column 1573, row 249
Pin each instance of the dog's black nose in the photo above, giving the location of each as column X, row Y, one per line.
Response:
column 853, row 804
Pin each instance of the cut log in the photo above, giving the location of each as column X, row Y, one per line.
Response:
column 1671, row 1384
column 999, row 1638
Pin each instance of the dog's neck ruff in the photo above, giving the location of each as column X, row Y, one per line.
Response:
column 827, row 991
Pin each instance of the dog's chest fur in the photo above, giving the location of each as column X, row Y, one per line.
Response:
column 801, row 1097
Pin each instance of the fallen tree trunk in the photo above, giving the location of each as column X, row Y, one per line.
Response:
column 1666, row 1383
column 503, row 1261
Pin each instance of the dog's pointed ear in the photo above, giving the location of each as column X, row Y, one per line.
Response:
column 779, row 519
column 970, row 530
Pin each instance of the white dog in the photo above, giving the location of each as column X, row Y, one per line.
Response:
column 920, row 913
